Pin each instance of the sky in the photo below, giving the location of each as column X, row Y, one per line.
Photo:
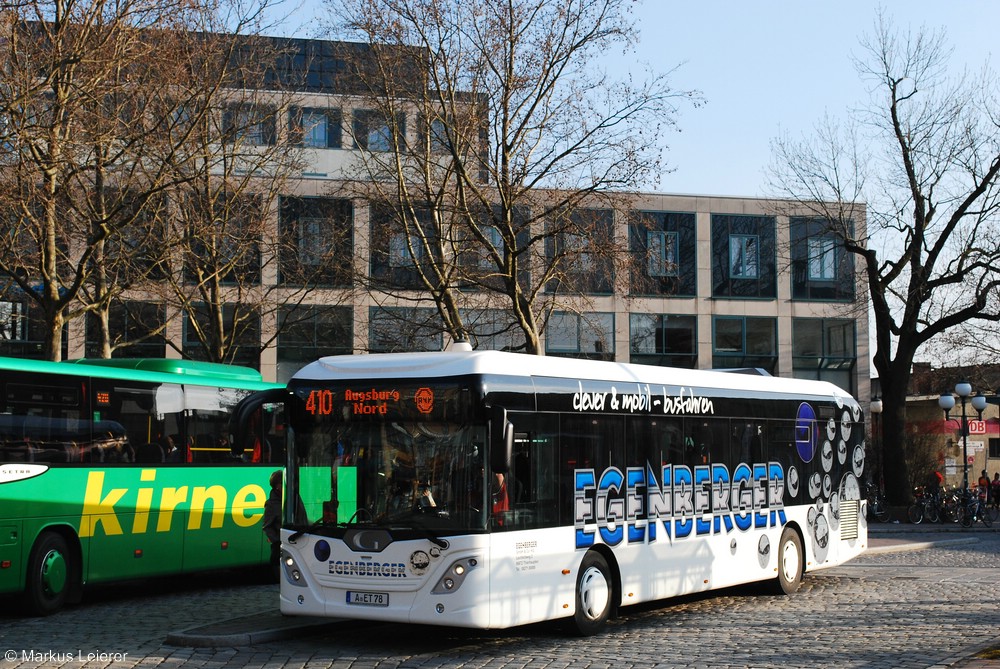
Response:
column 771, row 67
column 764, row 67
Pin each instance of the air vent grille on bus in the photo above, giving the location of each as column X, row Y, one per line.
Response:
column 849, row 519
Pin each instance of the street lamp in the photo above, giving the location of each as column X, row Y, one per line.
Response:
column 947, row 402
column 876, row 410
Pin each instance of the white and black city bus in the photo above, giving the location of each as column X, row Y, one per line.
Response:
column 488, row 489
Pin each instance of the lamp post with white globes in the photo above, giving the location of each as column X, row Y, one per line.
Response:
column 947, row 402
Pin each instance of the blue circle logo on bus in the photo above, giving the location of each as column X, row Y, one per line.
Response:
column 805, row 432
column 322, row 550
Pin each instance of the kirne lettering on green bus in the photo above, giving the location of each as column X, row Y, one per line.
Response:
column 121, row 502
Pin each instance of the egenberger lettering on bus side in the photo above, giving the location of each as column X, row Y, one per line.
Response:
column 706, row 499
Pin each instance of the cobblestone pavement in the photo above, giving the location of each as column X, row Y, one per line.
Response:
column 909, row 608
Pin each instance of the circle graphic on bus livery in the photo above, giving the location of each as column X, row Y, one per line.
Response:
column 846, row 423
column 792, row 481
column 821, row 537
column 763, row 551
column 815, row 485
column 826, row 456
column 858, row 461
column 850, row 489
column 322, row 550
column 805, row 432
column 419, row 561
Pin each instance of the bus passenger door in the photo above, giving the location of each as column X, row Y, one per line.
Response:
column 529, row 549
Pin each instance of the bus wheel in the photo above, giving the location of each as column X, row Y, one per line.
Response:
column 790, row 561
column 593, row 594
column 48, row 575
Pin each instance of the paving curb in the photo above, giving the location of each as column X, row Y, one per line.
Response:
column 901, row 546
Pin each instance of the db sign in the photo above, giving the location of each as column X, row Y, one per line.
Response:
column 977, row 427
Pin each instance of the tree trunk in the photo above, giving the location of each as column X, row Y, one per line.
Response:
column 893, row 456
column 54, row 337
column 894, row 378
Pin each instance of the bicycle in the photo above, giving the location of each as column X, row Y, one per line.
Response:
column 974, row 509
column 878, row 508
column 925, row 506
column 951, row 504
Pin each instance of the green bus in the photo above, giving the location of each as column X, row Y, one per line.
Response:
column 122, row 468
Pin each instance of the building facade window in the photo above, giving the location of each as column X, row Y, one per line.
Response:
column 662, row 257
column 309, row 332
column 739, row 342
column 577, row 250
column 822, row 268
column 398, row 251
column 315, row 128
column 664, row 247
column 494, row 244
column 250, row 124
column 478, row 257
column 572, row 335
column 22, row 327
column 12, row 321
column 670, row 340
column 433, row 135
column 743, row 256
column 228, row 244
column 994, row 447
column 402, row 329
column 240, row 325
column 822, row 259
column 136, row 331
column 825, row 349
column 373, row 132
column 139, row 250
column 405, row 250
column 492, row 330
column 316, row 241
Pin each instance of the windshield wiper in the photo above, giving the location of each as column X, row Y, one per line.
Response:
column 429, row 533
column 322, row 522
column 362, row 511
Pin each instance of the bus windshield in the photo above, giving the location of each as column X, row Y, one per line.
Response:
column 399, row 474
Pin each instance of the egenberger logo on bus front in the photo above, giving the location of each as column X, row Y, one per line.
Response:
column 102, row 503
column 679, row 499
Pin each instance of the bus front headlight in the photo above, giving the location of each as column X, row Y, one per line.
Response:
column 453, row 578
column 293, row 575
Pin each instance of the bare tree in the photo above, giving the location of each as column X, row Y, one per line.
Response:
column 925, row 156
column 73, row 126
column 231, row 267
column 98, row 115
column 517, row 132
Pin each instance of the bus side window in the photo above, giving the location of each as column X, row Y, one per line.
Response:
column 533, row 487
